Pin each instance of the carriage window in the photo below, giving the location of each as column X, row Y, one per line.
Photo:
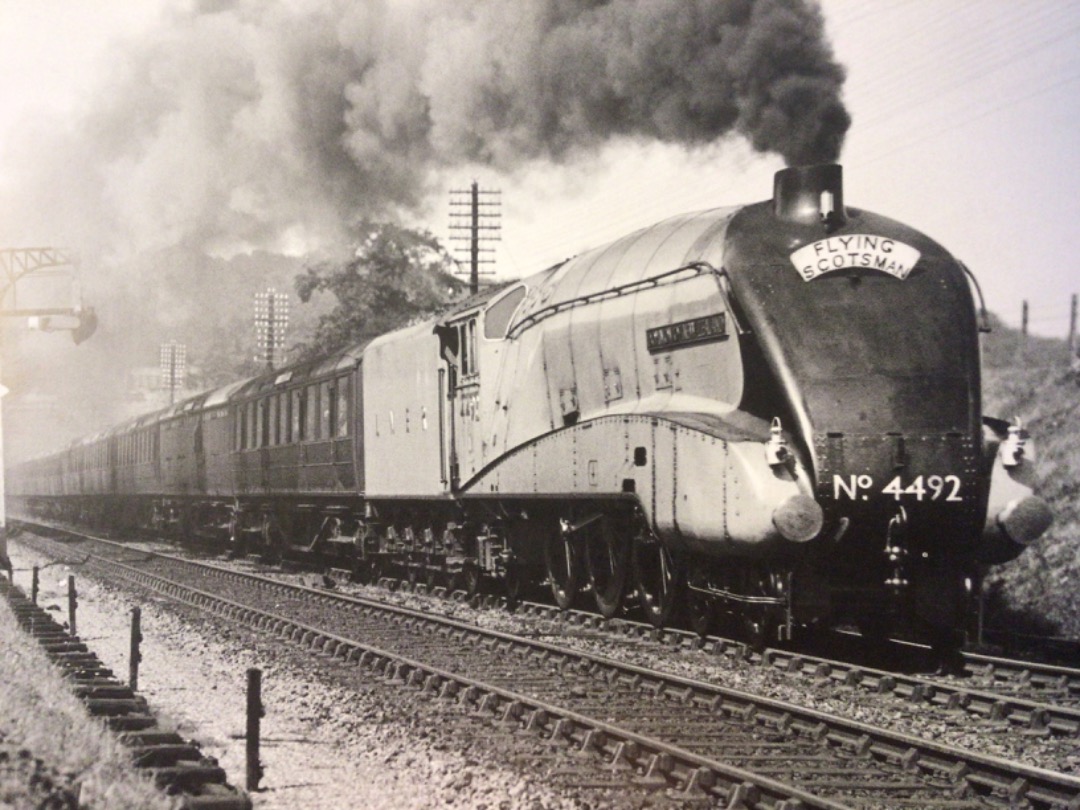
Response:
column 265, row 421
column 311, row 412
column 283, row 436
column 260, row 422
column 342, row 415
column 297, row 422
column 326, row 402
column 252, row 436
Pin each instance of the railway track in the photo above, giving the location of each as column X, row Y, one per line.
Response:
column 642, row 728
column 1031, row 696
column 1036, row 697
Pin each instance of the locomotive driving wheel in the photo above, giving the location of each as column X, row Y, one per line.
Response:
column 562, row 557
column 658, row 575
column 607, row 561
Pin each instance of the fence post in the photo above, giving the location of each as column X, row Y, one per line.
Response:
column 254, row 715
column 34, row 586
column 73, row 603
column 135, row 656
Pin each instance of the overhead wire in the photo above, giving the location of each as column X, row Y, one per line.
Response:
column 1025, row 32
column 966, row 121
column 1007, row 60
column 966, row 57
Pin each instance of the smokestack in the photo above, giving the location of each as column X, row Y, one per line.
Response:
column 810, row 195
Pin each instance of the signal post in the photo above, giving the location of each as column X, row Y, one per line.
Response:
column 55, row 268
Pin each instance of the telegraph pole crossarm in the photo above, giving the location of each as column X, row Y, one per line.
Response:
column 476, row 219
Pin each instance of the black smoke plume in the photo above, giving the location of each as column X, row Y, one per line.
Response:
column 268, row 124
column 274, row 125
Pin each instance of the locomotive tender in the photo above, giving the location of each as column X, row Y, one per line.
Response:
column 768, row 413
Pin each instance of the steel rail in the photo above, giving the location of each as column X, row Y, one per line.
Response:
column 982, row 703
column 1040, row 787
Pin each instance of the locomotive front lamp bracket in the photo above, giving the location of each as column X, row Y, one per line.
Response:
column 895, row 552
column 776, row 449
column 1012, row 449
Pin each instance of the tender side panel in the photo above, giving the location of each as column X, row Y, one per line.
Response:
column 403, row 407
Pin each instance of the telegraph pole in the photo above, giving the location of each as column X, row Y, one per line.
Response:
column 477, row 212
column 271, row 321
column 173, row 367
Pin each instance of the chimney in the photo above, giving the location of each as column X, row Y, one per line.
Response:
column 810, row 195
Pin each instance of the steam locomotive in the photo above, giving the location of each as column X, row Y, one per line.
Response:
column 766, row 415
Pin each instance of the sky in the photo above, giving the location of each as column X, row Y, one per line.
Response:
column 964, row 125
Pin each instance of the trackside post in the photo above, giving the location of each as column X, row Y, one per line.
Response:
column 254, row 715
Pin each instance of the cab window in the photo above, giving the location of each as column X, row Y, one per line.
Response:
column 467, row 341
column 498, row 316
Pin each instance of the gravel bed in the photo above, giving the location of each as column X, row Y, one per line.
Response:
column 919, row 719
column 328, row 739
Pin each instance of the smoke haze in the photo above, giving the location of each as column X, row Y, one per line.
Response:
column 274, row 125
column 268, row 124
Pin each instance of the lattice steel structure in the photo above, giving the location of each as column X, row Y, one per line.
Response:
column 173, row 367
column 271, row 323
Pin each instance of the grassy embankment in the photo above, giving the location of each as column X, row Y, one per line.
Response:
column 52, row 753
column 1040, row 591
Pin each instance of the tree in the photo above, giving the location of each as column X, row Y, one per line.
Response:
column 395, row 275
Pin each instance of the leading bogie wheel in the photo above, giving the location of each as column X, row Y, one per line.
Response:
column 367, row 570
column 513, row 583
column 433, row 575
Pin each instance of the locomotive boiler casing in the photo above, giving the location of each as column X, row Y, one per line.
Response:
column 749, row 376
column 619, row 377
